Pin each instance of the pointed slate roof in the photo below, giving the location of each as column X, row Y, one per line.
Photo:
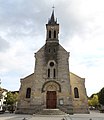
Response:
column 52, row 19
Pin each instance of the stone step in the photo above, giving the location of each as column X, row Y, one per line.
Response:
column 50, row 112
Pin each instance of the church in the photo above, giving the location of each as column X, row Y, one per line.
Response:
column 52, row 85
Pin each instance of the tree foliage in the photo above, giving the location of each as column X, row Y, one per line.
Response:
column 1, row 93
column 93, row 101
column 101, row 96
column 11, row 98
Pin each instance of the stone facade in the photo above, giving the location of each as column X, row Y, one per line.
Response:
column 51, row 85
column 80, row 104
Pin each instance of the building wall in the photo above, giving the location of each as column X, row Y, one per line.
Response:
column 26, row 82
column 3, row 92
column 62, row 77
column 80, row 105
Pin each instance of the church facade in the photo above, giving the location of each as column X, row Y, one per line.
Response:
column 52, row 85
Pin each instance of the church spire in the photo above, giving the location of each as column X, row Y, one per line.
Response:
column 52, row 19
column 52, row 29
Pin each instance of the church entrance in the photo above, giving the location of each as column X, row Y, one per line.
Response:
column 51, row 100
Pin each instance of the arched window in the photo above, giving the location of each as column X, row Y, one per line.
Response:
column 54, row 50
column 49, row 34
column 76, row 93
column 54, row 73
column 28, row 93
column 48, row 73
column 51, row 69
column 54, row 34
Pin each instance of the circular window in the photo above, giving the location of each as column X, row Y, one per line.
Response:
column 51, row 64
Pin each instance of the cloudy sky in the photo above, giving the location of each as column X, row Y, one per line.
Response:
column 22, row 33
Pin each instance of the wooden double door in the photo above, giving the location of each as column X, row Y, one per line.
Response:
column 51, row 100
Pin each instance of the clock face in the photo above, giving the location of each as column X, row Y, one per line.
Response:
column 52, row 27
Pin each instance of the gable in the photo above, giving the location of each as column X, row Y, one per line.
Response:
column 28, row 78
column 75, row 78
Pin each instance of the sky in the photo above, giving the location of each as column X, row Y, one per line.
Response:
column 23, row 32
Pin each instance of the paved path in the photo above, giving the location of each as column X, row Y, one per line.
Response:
column 92, row 116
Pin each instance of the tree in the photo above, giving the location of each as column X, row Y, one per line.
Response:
column 11, row 100
column 101, row 96
column 93, row 101
column 1, row 93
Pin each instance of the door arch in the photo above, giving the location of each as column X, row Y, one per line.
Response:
column 51, row 88
column 51, row 85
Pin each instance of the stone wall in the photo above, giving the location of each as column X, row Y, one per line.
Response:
column 80, row 105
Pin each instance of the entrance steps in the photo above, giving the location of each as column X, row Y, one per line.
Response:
column 51, row 112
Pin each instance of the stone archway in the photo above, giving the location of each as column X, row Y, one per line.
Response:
column 51, row 88
column 51, row 85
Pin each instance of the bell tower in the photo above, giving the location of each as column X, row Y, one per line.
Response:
column 52, row 29
column 52, row 41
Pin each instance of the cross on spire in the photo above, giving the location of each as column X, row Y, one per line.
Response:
column 52, row 20
column 53, row 7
